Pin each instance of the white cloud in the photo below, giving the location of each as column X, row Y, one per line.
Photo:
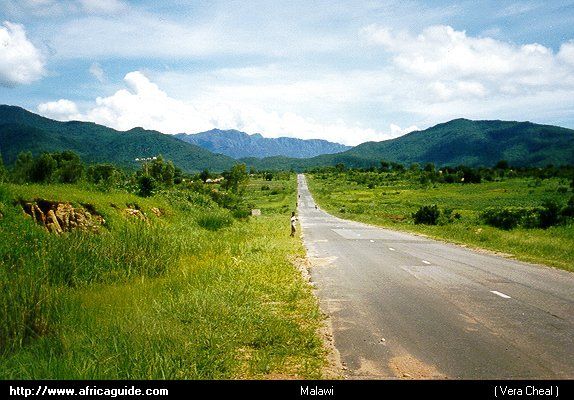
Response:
column 445, row 74
column 97, row 71
column 472, row 66
column 20, row 61
column 62, row 110
column 397, row 131
column 144, row 104
column 566, row 53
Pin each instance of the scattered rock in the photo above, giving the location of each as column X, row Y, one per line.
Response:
column 256, row 212
column 139, row 214
column 156, row 211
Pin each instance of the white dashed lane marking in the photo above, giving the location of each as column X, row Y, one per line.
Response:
column 504, row 296
column 391, row 249
column 426, row 262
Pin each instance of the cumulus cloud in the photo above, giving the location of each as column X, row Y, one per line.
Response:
column 462, row 66
column 20, row 60
column 62, row 110
column 143, row 103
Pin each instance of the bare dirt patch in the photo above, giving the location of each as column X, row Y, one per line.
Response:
column 409, row 367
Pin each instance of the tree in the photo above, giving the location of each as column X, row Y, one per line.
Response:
column 23, row 167
column 429, row 167
column 235, row 179
column 385, row 165
column 2, row 169
column 340, row 167
column 43, row 168
column 161, row 171
column 415, row 167
column 470, row 175
column 397, row 167
column 105, row 174
column 204, row 175
column 146, row 185
column 502, row 164
column 70, row 167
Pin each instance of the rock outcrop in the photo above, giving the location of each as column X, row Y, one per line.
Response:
column 59, row 217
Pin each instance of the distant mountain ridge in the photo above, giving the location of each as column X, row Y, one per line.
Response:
column 22, row 130
column 239, row 144
column 460, row 141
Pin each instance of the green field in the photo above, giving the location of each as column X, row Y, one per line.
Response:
column 191, row 294
column 392, row 199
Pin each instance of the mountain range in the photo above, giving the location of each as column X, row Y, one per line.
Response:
column 238, row 144
column 21, row 130
column 460, row 141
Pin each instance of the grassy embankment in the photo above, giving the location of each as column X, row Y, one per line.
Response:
column 191, row 294
column 392, row 204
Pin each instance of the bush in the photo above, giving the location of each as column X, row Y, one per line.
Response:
column 505, row 218
column 549, row 214
column 511, row 217
column 427, row 215
column 146, row 185
column 265, row 187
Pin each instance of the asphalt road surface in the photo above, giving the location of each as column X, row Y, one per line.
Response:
column 404, row 306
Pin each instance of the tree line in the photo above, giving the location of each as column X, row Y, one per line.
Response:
column 154, row 174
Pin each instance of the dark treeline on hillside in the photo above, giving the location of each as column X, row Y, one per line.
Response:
column 155, row 174
column 429, row 173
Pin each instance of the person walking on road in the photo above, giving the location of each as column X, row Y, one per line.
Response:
column 293, row 221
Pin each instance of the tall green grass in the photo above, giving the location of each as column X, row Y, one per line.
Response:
column 169, row 298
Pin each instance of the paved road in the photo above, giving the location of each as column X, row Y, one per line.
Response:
column 405, row 306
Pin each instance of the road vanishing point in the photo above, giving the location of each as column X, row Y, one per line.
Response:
column 405, row 306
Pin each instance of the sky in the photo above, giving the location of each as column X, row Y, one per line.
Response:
column 345, row 71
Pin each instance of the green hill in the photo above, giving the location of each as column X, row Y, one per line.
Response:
column 460, row 141
column 21, row 130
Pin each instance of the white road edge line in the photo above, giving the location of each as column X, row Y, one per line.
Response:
column 426, row 262
column 504, row 296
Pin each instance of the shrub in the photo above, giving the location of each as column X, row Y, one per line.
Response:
column 505, row 218
column 549, row 214
column 146, row 185
column 265, row 187
column 427, row 215
column 568, row 210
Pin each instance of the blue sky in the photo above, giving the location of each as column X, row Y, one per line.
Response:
column 338, row 70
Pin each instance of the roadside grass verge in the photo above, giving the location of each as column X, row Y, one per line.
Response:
column 392, row 206
column 162, row 299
